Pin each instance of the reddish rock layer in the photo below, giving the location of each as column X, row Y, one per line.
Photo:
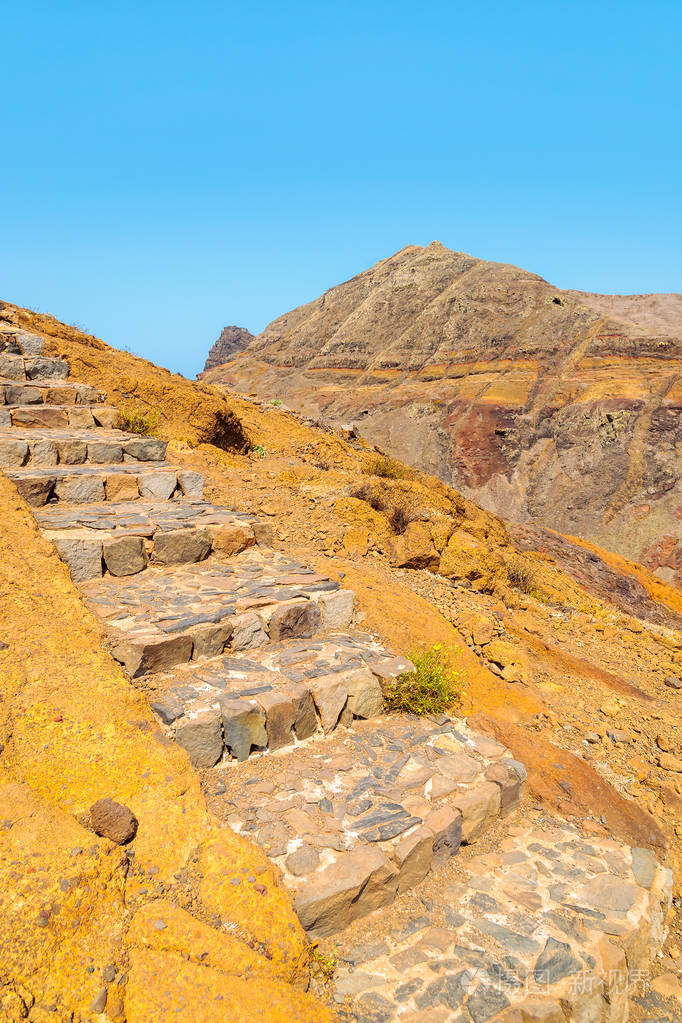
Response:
column 547, row 406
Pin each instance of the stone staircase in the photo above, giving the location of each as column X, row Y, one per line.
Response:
column 251, row 662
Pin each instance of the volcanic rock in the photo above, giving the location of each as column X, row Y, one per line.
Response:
column 112, row 820
column 232, row 340
column 560, row 408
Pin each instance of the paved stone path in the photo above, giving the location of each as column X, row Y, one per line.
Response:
column 563, row 927
column 251, row 662
column 355, row 819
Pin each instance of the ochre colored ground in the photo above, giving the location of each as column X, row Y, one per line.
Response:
column 72, row 730
column 588, row 709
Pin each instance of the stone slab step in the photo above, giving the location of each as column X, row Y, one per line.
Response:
column 58, row 417
column 41, row 393
column 356, row 818
column 94, row 539
column 48, row 447
column 32, row 367
column 155, row 619
column 231, row 706
column 552, row 927
column 15, row 341
column 88, row 484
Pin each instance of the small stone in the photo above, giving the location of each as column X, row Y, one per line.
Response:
column 555, row 963
column 273, row 839
column 673, row 683
column 100, row 1001
column 109, row 974
column 302, row 861
column 669, row 763
column 160, row 925
column 112, row 820
column 663, row 743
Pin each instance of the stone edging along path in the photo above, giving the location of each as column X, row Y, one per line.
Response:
column 250, row 661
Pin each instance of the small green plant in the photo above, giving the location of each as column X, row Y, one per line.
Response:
column 385, row 467
column 259, row 450
column 432, row 688
column 276, row 402
column 135, row 420
column 322, row 965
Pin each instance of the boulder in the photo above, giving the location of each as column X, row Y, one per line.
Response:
column 243, row 726
column 80, row 489
column 294, row 620
column 157, row 486
column 82, row 556
column 200, row 732
column 231, row 538
column 414, row 548
column 125, row 555
column 355, row 884
column 181, row 546
column 114, row 821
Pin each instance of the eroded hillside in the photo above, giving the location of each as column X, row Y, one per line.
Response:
column 568, row 654
column 555, row 408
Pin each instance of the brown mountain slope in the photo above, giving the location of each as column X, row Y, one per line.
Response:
column 570, row 654
column 560, row 408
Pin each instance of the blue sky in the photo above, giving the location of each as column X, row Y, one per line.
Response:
column 171, row 167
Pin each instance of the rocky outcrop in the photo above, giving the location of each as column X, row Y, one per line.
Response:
column 547, row 406
column 232, row 340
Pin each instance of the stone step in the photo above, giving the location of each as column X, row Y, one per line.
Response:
column 94, row 539
column 40, row 393
column 356, row 818
column 551, row 927
column 229, row 707
column 48, row 447
column 156, row 619
column 15, row 341
column 89, row 484
column 58, row 417
column 32, row 367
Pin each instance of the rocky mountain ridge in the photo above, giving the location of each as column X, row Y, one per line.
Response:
column 553, row 407
column 232, row 340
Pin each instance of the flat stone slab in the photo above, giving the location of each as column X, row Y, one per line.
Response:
column 551, row 923
column 356, row 818
column 124, row 538
column 52, row 416
column 141, row 518
column 88, row 484
column 14, row 366
column 38, row 392
column 44, row 447
column 164, row 616
column 277, row 695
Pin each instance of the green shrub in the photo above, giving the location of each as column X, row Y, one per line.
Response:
column 323, row 965
column 259, row 450
column 431, row 688
column 135, row 420
column 276, row 402
column 385, row 467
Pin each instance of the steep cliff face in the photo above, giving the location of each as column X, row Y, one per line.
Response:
column 556, row 407
column 231, row 341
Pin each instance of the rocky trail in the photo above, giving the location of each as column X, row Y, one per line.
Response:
column 253, row 662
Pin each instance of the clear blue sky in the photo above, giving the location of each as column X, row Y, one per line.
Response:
column 168, row 168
